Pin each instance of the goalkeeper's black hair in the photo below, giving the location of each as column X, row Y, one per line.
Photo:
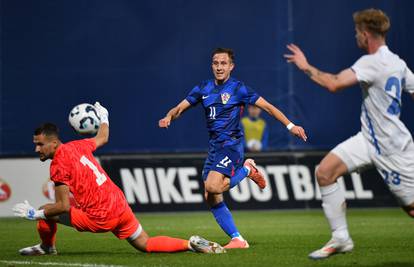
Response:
column 48, row 129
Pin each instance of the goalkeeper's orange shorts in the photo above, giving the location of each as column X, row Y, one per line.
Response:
column 122, row 227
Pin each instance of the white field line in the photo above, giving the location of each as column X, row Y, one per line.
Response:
column 50, row 263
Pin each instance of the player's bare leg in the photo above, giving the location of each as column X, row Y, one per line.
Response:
column 216, row 183
column 334, row 206
column 140, row 241
column 330, row 168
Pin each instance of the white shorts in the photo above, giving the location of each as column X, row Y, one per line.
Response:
column 397, row 169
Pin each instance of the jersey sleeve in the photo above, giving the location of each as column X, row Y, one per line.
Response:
column 409, row 81
column 249, row 96
column 60, row 171
column 195, row 96
column 364, row 69
column 88, row 144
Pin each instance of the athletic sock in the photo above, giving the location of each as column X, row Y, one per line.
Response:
column 47, row 232
column 334, row 206
column 166, row 244
column 240, row 174
column 224, row 218
column 239, row 238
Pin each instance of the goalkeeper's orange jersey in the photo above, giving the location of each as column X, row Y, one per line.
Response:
column 94, row 192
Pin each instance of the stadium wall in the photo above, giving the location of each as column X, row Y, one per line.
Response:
column 139, row 58
column 171, row 182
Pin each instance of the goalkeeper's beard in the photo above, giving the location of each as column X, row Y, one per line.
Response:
column 42, row 157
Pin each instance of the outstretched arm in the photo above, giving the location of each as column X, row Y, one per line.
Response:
column 277, row 114
column 61, row 205
column 102, row 136
column 332, row 82
column 174, row 113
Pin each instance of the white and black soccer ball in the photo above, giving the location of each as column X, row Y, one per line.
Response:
column 84, row 119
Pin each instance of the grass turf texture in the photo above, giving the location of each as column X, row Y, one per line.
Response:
column 383, row 237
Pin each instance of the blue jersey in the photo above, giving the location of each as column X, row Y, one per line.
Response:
column 223, row 106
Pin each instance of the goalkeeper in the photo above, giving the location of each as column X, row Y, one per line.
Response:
column 100, row 205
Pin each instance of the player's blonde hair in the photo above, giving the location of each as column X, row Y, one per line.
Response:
column 372, row 20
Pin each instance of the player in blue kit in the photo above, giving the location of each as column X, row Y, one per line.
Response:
column 223, row 99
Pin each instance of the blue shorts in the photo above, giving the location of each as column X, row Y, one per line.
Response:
column 223, row 159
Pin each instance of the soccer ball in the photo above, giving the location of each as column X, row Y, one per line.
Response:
column 84, row 119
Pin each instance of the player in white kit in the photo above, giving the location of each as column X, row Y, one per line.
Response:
column 383, row 142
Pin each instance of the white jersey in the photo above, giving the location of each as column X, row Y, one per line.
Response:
column 383, row 76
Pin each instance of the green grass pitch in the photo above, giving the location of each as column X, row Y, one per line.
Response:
column 383, row 237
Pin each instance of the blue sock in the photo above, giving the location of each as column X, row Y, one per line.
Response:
column 225, row 219
column 238, row 176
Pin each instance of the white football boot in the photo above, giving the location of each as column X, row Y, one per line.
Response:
column 202, row 245
column 38, row 250
column 331, row 248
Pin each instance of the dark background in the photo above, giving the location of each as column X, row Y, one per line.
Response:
column 140, row 58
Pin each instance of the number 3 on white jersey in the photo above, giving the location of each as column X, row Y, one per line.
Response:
column 100, row 177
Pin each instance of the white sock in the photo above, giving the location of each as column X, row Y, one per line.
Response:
column 334, row 206
column 248, row 170
column 239, row 237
